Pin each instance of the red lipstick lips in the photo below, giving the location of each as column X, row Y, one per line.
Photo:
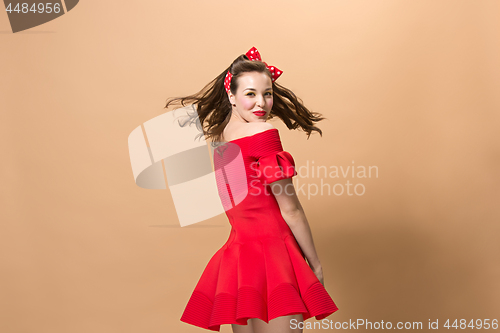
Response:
column 259, row 113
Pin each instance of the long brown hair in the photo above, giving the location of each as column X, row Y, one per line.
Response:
column 213, row 106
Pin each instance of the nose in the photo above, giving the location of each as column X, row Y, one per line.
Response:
column 261, row 101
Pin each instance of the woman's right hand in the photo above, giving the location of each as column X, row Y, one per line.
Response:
column 319, row 274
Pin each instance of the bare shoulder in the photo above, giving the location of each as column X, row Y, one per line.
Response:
column 248, row 129
column 254, row 128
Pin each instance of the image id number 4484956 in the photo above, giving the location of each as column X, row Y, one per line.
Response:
column 474, row 324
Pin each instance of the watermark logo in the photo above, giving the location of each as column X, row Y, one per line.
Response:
column 24, row 15
column 206, row 180
column 170, row 150
column 323, row 180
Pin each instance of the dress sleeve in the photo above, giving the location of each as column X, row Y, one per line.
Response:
column 276, row 166
column 273, row 163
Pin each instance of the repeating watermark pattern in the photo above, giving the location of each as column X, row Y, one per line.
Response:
column 27, row 14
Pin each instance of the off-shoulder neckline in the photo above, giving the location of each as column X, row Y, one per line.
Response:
column 249, row 136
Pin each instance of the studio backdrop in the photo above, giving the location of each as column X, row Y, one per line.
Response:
column 401, row 190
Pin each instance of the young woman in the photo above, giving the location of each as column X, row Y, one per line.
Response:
column 259, row 280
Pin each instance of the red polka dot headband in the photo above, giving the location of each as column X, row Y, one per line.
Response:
column 253, row 54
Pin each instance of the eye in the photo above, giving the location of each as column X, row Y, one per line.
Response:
column 253, row 94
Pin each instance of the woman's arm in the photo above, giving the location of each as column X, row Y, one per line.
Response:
column 295, row 217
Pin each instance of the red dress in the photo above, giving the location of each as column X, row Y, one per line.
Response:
column 260, row 272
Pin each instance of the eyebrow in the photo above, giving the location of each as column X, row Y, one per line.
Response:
column 256, row 89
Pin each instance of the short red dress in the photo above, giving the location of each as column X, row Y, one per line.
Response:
column 260, row 272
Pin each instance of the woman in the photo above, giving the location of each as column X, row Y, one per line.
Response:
column 259, row 280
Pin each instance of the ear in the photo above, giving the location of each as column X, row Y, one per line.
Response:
column 231, row 97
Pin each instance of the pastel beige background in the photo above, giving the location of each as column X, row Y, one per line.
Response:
column 411, row 87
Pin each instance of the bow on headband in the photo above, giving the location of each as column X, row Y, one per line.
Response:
column 253, row 54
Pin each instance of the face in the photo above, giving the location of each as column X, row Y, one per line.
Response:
column 254, row 94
